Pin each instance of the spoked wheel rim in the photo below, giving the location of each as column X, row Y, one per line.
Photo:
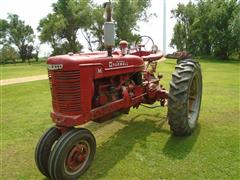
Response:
column 77, row 157
column 194, row 100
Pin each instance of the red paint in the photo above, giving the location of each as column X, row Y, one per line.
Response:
column 91, row 85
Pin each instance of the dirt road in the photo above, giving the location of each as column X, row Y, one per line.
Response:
column 23, row 79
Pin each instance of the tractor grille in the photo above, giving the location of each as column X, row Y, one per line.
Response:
column 65, row 89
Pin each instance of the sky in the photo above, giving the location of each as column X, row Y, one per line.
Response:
column 31, row 11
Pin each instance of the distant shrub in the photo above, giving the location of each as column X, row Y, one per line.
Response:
column 7, row 54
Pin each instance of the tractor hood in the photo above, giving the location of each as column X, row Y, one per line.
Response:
column 74, row 61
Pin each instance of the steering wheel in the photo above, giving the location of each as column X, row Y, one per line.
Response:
column 145, row 42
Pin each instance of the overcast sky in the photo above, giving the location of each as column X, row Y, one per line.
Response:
column 31, row 11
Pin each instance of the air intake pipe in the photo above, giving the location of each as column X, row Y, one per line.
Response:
column 109, row 29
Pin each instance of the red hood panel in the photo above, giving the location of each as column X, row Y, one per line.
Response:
column 73, row 61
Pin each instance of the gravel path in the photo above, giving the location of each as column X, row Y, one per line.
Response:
column 22, row 80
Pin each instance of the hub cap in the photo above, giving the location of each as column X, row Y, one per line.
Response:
column 77, row 157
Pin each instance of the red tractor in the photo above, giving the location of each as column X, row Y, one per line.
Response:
column 91, row 86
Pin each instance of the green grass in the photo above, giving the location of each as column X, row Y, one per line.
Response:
column 22, row 69
column 138, row 145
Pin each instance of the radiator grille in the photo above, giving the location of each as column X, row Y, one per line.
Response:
column 65, row 89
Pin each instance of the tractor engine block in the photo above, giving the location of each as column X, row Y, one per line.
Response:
column 110, row 89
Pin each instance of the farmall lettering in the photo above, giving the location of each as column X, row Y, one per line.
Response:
column 113, row 64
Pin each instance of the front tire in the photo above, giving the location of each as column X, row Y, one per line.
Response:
column 185, row 96
column 72, row 155
column 44, row 148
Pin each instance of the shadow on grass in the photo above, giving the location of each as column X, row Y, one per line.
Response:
column 110, row 153
column 180, row 147
column 121, row 144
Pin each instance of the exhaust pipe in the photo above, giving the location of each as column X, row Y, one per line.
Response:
column 109, row 29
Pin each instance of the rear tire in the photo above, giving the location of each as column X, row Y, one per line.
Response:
column 185, row 95
column 44, row 148
column 72, row 155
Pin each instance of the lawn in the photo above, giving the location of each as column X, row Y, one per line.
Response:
column 138, row 145
column 22, row 69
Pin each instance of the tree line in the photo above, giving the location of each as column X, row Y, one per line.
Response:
column 205, row 27
column 60, row 29
column 208, row 27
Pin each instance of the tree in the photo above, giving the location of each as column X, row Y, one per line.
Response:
column 220, row 16
column 50, row 28
column 8, row 53
column 201, row 27
column 61, row 27
column 94, row 34
column 234, row 29
column 16, row 33
column 179, row 37
column 126, row 15
column 184, row 36
column 3, row 31
column 207, row 27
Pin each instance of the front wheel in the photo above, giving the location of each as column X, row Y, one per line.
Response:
column 185, row 96
column 72, row 154
column 44, row 148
